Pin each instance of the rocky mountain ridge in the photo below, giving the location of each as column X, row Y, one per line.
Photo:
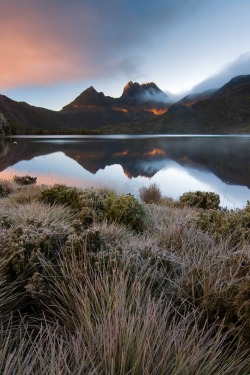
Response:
column 144, row 96
column 142, row 108
column 146, row 92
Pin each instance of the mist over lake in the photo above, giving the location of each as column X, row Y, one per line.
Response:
column 177, row 164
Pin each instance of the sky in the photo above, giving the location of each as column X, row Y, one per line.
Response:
column 52, row 50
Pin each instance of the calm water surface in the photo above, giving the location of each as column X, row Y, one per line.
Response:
column 176, row 163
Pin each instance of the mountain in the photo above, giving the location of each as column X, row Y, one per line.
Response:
column 91, row 111
column 22, row 116
column 146, row 92
column 194, row 98
column 90, row 98
column 135, row 97
column 142, row 108
column 227, row 110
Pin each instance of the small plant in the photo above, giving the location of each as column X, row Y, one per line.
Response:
column 201, row 199
column 88, row 204
column 24, row 180
column 125, row 209
column 233, row 224
column 151, row 194
column 61, row 194
column 23, row 245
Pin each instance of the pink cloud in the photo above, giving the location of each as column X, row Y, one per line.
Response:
column 50, row 41
column 38, row 47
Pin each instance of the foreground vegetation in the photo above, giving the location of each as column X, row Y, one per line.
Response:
column 98, row 283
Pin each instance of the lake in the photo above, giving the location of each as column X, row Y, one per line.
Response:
column 177, row 164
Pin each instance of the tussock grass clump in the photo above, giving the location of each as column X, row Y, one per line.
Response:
column 26, row 194
column 34, row 213
column 97, row 283
column 6, row 188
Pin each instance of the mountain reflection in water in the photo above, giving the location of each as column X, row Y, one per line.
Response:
column 176, row 164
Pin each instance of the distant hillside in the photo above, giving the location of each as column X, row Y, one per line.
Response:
column 225, row 111
column 194, row 98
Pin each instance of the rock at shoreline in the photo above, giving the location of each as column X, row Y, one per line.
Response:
column 4, row 125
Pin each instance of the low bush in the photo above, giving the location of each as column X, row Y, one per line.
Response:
column 23, row 245
column 62, row 194
column 151, row 194
column 27, row 250
column 93, row 206
column 88, row 204
column 24, row 180
column 201, row 199
column 125, row 209
column 232, row 224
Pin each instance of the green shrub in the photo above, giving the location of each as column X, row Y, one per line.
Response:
column 91, row 206
column 24, row 245
column 88, row 203
column 62, row 194
column 151, row 194
column 27, row 249
column 232, row 224
column 83, row 240
column 125, row 209
column 95, row 205
column 200, row 199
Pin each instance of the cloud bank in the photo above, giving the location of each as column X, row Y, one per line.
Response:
column 50, row 41
column 238, row 67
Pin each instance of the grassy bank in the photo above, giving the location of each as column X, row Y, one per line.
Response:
column 98, row 283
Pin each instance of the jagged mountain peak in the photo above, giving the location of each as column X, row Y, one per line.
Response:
column 134, row 91
column 131, row 90
column 87, row 98
column 91, row 92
